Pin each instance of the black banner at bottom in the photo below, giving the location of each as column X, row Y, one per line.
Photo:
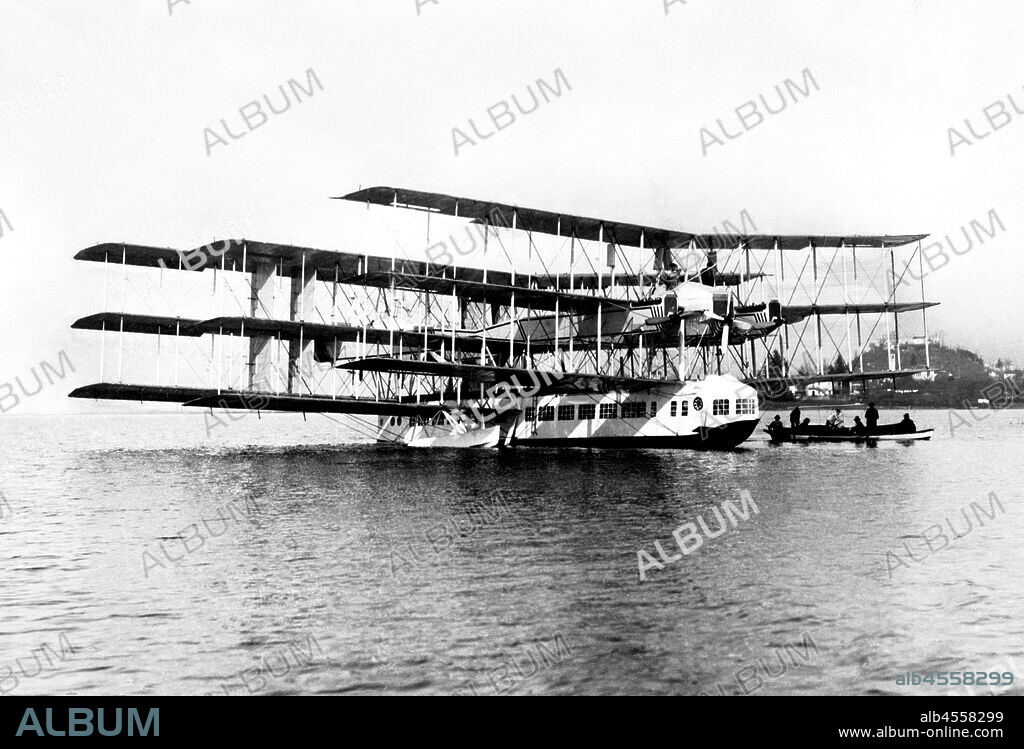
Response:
column 835, row 719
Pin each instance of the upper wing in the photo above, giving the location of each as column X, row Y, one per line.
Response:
column 633, row 235
column 504, row 214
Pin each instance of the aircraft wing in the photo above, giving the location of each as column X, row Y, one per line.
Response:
column 843, row 377
column 796, row 312
column 132, row 323
column 464, row 341
column 561, row 224
column 501, row 214
column 252, row 400
column 354, row 268
column 312, row 404
column 331, row 265
column 154, row 393
column 549, row 381
column 247, row 255
column 590, row 280
column 496, row 293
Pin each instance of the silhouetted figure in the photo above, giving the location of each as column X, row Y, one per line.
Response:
column 670, row 276
column 775, row 428
column 858, row 426
column 871, row 417
column 907, row 426
column 709, row 273
column 794, row 417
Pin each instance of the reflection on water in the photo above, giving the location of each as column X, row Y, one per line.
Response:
column 176, row 561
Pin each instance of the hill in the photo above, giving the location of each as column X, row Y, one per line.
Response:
column 960, row 377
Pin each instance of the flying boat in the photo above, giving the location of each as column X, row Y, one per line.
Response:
column 623, row 335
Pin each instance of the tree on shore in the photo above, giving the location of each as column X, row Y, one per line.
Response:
column 838, row 366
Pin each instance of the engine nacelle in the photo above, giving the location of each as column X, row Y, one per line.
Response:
column 720, row 304
column 670, row 304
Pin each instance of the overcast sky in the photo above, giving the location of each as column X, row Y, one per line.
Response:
column 104, row 108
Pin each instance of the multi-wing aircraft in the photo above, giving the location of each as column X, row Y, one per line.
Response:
column 643, row 347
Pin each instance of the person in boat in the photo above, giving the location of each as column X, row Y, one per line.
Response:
column 805, row 424
column 871, row 417
column 775, row 428
column 858, row 426
column 836, row 420
column 794, row 418
column 907, row 426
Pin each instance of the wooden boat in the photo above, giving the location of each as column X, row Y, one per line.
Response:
column 820, row 433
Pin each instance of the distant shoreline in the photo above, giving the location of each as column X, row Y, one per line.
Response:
column 769, row 405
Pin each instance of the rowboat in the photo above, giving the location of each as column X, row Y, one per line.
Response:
column 818, row 433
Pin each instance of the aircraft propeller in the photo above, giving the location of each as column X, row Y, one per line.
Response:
column 727, row 317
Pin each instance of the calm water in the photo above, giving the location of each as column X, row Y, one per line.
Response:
column 326, row 566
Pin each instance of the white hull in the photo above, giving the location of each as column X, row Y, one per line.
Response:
column 718, row 412
column 487, row 437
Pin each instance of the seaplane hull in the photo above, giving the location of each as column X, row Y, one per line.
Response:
column 421, row 436
column 716, row 413
column 715, row 438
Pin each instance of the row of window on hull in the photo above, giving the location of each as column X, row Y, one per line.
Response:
column 629, row 410
column 635, row 410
